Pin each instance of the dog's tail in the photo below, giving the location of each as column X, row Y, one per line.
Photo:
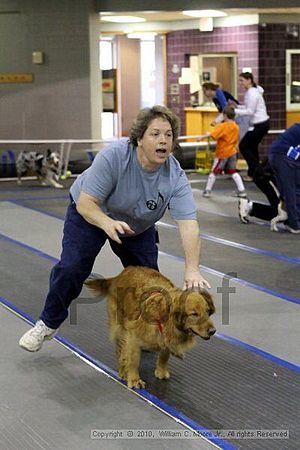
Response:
column 99, row 286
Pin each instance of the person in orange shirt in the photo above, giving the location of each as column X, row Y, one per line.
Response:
column 227, row 136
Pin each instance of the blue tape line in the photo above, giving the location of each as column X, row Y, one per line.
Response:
column 248, row 248
column 25, row 199
column 143, row 393
column 28, row 247
column 46, row 213
column 240, row 281
column 11, row 155
column 237, row 245
column 266, row 355
column 4, row 164
column 234, row 341
column 206, row 269
column 240, row 246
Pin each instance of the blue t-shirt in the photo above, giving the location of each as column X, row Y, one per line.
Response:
column 129, row 193
column 290, row 138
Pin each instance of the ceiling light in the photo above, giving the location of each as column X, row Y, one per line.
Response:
column 122, row 19
column 204, row 13
column 143, row 36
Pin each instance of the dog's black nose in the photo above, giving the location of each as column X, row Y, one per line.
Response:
column 211, row 331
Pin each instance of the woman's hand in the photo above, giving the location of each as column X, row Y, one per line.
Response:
column 114, row 228
column 193, row 279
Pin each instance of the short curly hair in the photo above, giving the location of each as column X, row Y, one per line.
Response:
column 146, row 115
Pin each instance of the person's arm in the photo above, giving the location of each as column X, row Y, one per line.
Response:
column 217, row 120
column 190, row 237
column 89, row 208
column 250, row 104
column 221, row 99
column 204, row 136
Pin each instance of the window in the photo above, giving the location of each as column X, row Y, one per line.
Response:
column 147, row 73
column 107, row 62
column 293, row 80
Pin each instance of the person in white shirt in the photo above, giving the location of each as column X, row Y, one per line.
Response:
column 255, row 108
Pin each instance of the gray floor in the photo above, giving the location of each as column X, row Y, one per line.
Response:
column 261, row 322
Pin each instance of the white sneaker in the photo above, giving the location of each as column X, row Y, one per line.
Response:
column 33, row 339
column 242, row 194
column 292, row 230
column 244, row 209
column 206, row 193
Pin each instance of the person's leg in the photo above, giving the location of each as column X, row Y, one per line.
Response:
column 249, row 145
column 140, row 250
column 263, row 183
column 210, row 183
column 81, row 244
column 230, row 169
column 246, row 149
column 287, row 174
column 216, row 169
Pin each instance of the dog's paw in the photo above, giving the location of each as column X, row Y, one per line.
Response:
column 162, row 374
column 122, row 374
column 136, row 383
column 273, row 225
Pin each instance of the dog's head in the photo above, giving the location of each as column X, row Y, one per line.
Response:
column 53, row 159
column 193, row 312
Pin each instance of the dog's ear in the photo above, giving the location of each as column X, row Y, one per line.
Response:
column 209, row 301
column 156, row 308
column 48, row 152
column 179, row 317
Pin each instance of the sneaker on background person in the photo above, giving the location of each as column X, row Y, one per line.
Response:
column 242, row 194
column 33, row 339
column 247, row 178
column 206, row 193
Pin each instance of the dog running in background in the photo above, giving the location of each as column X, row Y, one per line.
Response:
column 147, row 312
column 45, row 167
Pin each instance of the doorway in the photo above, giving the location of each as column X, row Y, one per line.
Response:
column 220, row 68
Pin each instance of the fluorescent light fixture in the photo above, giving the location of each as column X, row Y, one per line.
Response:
column 147, row 36
column 204, row 13
column 122, row 19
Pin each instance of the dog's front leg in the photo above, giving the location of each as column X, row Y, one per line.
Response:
column 132, row 352
column 54, row 183
column 162, row 369
column 121, row 359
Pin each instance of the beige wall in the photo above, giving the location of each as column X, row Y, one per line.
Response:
column 129, row 86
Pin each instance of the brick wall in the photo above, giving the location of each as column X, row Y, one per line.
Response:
column 181, row 44
column 261, row 47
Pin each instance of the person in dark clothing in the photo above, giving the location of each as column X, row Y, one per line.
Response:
column 264, row 179
column 284, row 157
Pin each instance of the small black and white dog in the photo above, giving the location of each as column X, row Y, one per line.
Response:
column 281, row 216
column 45, row 167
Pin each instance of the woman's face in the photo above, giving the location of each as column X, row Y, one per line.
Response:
column 209, row 93
column 245, row 83
column 156, row 145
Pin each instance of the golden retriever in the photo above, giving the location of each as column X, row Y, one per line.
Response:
column 147, row 312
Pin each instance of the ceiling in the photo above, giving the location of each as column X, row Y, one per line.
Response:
column 165, row 16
